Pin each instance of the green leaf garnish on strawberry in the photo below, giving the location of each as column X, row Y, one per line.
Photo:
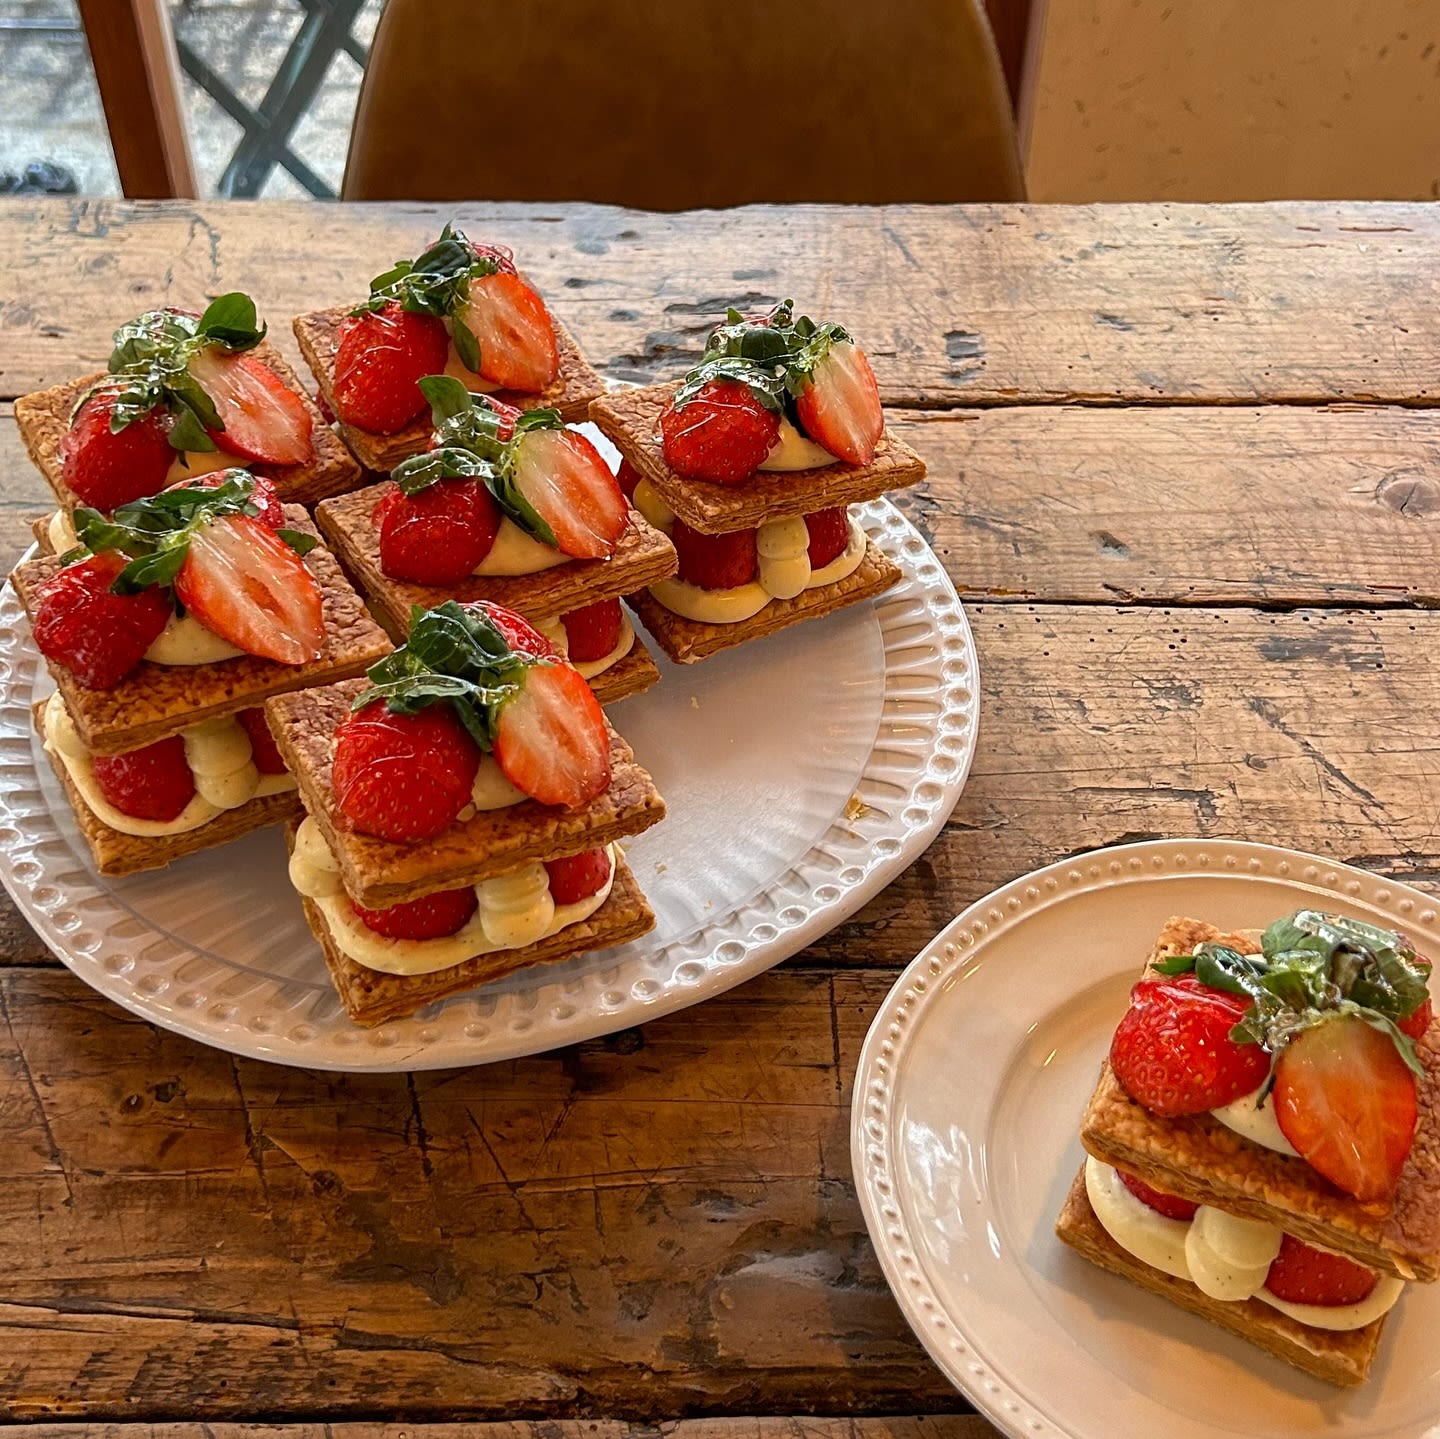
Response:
column 437, row 282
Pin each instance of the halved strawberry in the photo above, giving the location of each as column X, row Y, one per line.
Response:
column 579, row 876
column 518, row 349
column 571, row 488
column 840, row 404
column 437, row 915
column 520, row 634
column 403, row 777
column 107, row 468
column 715, row 562
column 263, row 749
column 1302, row 1274
column 829, row 535
column 263, row 418
column 438, row 535
column 1346, row 1100
column 627, row 477
column 250, row 588
column 99, row 637
column 150, row 783
column 1170, row 1205
column 380, row 358
column 264, row 496
column 551, row 739
column 1418, row 1021
column 593, row 632
column 1172, row 1050
column 723, row 434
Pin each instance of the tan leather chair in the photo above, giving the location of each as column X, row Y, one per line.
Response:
column 684, row 104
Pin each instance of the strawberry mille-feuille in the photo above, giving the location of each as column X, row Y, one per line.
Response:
column 462, row 810
column 460, row 309
column 164, row 630
column 749, row 464
column 1263, row 1147
column 514, row 508
column 185, row 395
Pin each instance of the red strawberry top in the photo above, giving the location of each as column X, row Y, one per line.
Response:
column 211, row 547
column 456, row 292
column 440, row 516
column 1321, row 1022
column 470, row 679
column 181, row 382
column 726, row 416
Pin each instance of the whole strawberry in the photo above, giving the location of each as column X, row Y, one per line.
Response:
column 520, row 634
column 263, row 750
column 579, row 876
column 434, row 916
column 152, row 783
column 380, row 358
column 715, row 562
column 437, row 535
column 1302, row 1274
column 263, row 495
column 1172, row 1050
column 403, row 777
column 1170, row 1205
column 829, row 532
column 722, row 435
column 593, row 632
column 106, row 467
column 98, row 636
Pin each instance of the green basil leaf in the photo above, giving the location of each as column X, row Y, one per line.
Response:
column 159, row 568
column 766, row 385
column 1175, row 964
column 450, row 462
column 298, row 540
column 467, row 346
column 230, row 320
column 447, row 396
column 187, row 433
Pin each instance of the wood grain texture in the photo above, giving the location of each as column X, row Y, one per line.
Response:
column 647, row 1225
column 932, row 1426
column 956, row 305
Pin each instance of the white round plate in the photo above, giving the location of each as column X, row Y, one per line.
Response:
column 964, row 1139
column 802, row 773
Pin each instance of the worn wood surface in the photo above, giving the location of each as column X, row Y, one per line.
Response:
column 956, row 305
column 935, row 1426
column 1206, row 617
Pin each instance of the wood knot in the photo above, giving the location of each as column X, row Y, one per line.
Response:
column 1410, row 492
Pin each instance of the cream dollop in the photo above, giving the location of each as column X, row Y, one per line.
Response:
column 202, row 462
column 1258, row 1124
column 185, row 641
column 516, row 553
column 516, row 908
column 794, row 451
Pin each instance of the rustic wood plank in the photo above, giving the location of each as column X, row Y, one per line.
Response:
column 23, row 492
column 932, row 1426
column 1285, row 505
column 958, row 305
column 653, row 1224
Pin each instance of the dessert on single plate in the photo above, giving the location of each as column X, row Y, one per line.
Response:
column 164, row 630
column 462, row 805
column 513, row 508
column 749, row 464
column 461, row 309
column 1263, row 1146
column 185, row 395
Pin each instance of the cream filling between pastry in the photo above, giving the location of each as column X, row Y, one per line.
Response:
column 1259, row 1125
column 515, row 910
column 794, row 451
column 218, row 752
column 554, row 631
column 516, row 553
column 202, row 462
column 1224, row 1256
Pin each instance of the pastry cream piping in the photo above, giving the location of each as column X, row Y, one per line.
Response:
column 202, row 462
column 185, row 641
column 61, row 532
column 217, row 751
column 1255, row 1124
column 554, row 631
column 794, row 451
column 516, row 553
column 510, row 904
column 647, row 500
column 1226, row 1257
column 492, row 789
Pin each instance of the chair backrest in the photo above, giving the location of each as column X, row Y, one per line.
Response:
column 684, row 104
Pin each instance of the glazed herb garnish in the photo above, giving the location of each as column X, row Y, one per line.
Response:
column 455, row 654
column 1313, row 966
column 469, row 447
column 148, row 366
column 154, row 533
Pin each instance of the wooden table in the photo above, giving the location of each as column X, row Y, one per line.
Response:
column 1184, row 469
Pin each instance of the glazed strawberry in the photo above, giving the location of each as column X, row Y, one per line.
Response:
column 263, row 749
column 105, row 467
column 579, row 876
column 403, row 777
column 151, row 783
column 1346, row 1100
column 1302, row 1274
column 520, row 634
column 433, row 917
column 840, row 404
column 551, row 739
column 323, row 405
column 561, row 475
column 1417, row 1023
column 262, row 417
column 250, row 588
column 518, row 350
column 722, row 435
column 715, row 562
column 439, row 534
column 593, row 632
column 627, row 477
column 263, row 495
column 99, row 637
column 829, row 535
column 1170, row 1205
column 508, row 415
column 380, row 358
column 1173, row 1053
